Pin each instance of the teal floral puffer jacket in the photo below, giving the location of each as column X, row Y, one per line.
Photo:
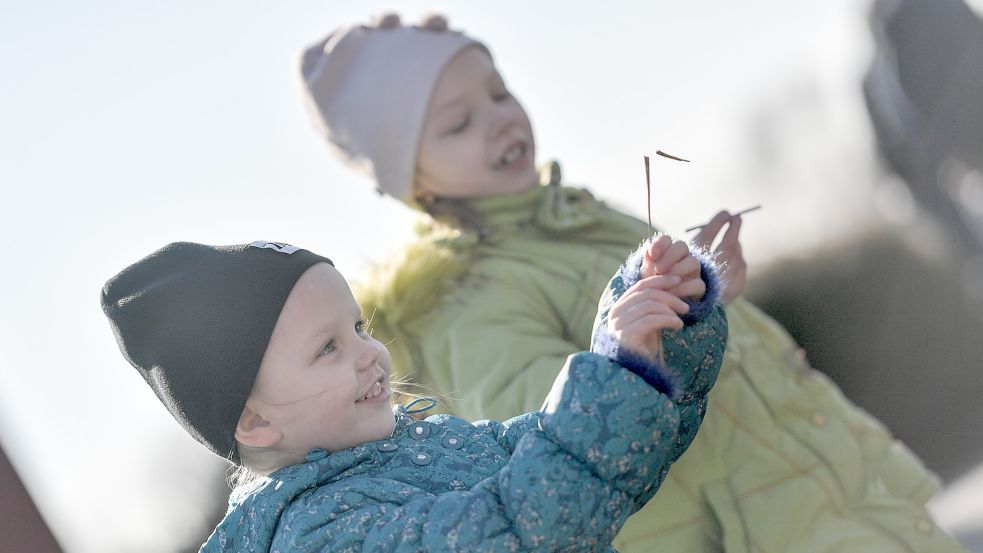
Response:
column 564, row 478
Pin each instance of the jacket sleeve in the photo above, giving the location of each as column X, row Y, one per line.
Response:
column 691, row 356
column 603, row 441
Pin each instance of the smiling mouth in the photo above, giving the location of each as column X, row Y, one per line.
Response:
column 512, row 154
column 377, row 389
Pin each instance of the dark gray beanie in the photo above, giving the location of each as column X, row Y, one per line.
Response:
column 195, row 321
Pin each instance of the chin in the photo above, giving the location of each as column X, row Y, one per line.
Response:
column 526, row 184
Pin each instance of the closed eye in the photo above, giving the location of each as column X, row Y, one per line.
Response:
column 461, row 126
column 501, row 96
column 496, row 87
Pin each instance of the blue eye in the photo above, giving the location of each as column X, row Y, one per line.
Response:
column 328, row 348
column 331, row 346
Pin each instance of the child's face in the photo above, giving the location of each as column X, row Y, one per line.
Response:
column 477, row 139
column 323, row 382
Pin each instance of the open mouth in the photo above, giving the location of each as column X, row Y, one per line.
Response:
column 513, row 154
column 377, row 389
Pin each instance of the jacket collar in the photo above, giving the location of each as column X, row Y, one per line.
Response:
column 549, row 206
column 267, row 497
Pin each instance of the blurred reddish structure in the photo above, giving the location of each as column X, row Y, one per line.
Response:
column 21, row 525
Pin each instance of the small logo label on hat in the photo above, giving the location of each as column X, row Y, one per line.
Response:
column 276, row 246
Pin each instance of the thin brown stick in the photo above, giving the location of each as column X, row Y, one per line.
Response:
column 741, row 212
column 663, row 154
column 648, row 193
column 648, row 183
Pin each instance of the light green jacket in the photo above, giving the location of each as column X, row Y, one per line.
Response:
column 783, row 462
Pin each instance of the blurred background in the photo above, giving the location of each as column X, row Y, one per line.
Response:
column 124, row 126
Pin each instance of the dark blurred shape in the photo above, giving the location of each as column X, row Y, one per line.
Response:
column 895, row 331
column 21, row 526
column 973, row 541
column 895, row 316
column 924, row 91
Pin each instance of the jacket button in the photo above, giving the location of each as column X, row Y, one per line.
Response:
column 386, row 446
column 818, row 419
column 419, row 430
column 421, row 459
column 316, row 454
column 452, row 442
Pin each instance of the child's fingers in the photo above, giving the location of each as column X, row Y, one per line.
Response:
column 639, row 329
column 686, row 268
column 642, row 334
column 655, row 251
column 657, row 282
column 709, row 232
column 641, row 304
column 731, row 259
column 659, row 246
column 731, row 239
column 628, row 316
column 665, row 297
column 676, row 252
column 694, row 288
column 654, row 288
column 648, row 265
column 643, row 326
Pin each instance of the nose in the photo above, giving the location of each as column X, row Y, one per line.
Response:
column 369, row 354
column 502, row 117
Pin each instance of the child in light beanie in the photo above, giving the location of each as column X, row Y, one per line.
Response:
column 260, row 353
column 500, row 286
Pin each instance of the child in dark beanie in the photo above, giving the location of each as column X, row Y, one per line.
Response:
column 260, row 352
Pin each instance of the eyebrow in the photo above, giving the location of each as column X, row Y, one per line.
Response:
column 448, row 104
column 325, row 331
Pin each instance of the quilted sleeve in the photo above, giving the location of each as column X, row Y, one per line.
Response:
column 691, row 355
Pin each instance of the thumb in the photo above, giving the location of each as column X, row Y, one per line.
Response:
column 710, row 230
column 648, row 264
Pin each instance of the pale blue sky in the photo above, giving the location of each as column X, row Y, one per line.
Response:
column 127, row 125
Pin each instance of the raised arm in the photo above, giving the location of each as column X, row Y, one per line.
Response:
column 601, row 446
column 690, row 355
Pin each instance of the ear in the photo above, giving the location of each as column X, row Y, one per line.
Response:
column 255, row 431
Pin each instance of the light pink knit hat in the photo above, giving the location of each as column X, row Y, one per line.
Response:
column 367, row 89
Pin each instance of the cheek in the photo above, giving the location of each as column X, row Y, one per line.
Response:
column 327, row 414
column 326, row 397
column 451, row 159
column 523, row 118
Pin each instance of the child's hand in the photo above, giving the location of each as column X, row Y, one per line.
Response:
column 668, row 257
column 638, row 317
column 728, row 252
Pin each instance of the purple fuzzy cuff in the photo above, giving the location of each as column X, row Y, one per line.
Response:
column 631, row 272
column 650, row 371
